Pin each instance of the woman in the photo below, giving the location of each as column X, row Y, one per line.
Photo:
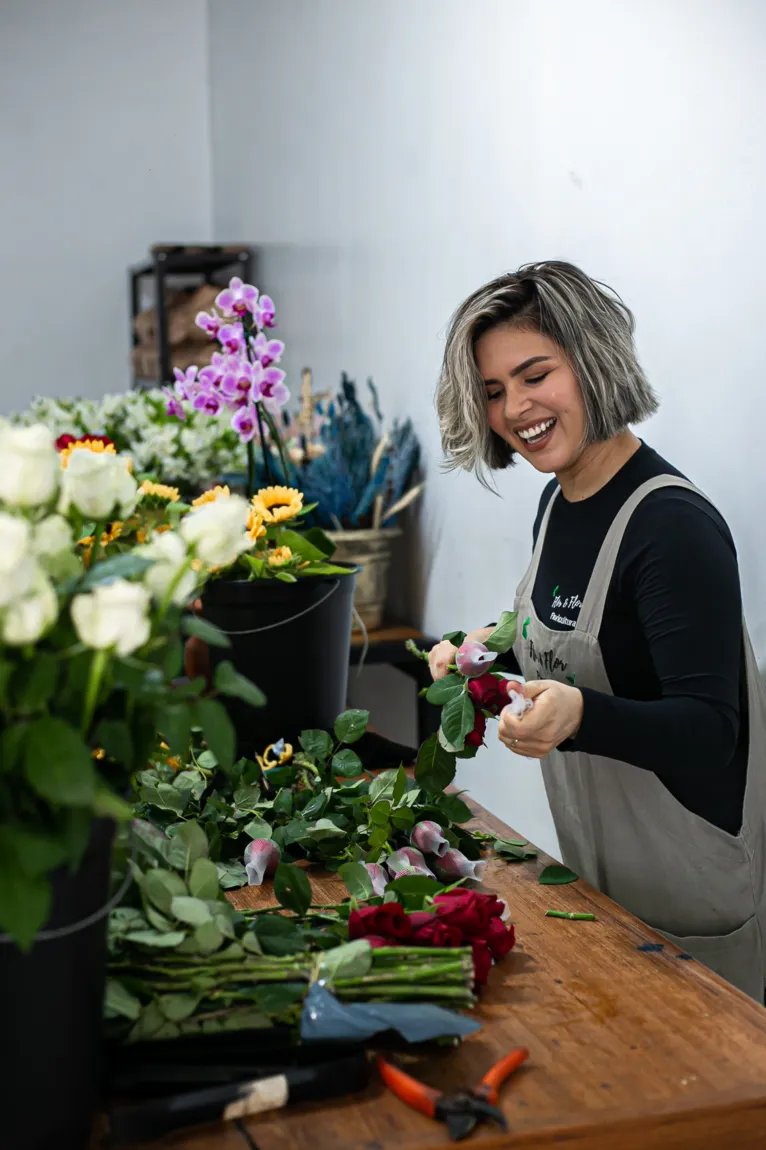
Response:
column 648, row 712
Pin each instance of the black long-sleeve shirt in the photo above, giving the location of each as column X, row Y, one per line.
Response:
column 671, row 636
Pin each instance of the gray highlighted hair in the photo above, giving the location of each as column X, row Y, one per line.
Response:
column 590, row 324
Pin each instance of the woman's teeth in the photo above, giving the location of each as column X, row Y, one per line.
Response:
column 532, row 434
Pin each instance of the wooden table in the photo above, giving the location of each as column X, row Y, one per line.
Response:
column 629, row 1049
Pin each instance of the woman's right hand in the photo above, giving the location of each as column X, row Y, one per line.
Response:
column 442, row 656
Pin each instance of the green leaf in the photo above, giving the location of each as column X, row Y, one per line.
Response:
column 292, row 888
column 12, row 745
column 151, row 938
column 415, row 884
column 455, row 809
column 115, row 738
column 317, row 744
column 383, row 785
column 283, row 802
column 6, row 670
column 442, row 690
column 257, row 829
column 278, row 935
column 203, row 880
column 177, row 1007
column 33, row 851
column 172, row 798
column 458, row 717
column 218, row 731
column 514, row 851
column 380, row 813
column 76, row 830
column 173, row 659
column 247, row 797
column 58, row 764
column 403, row 818
column 118, row 1000
column 25, row 903
column 456, row 638
column 285, row 577
column 301, row 546
column 321, row 541
column 556, row 875
column 324, row 829
column 314, row 807
column 208, row 936
column 205, row 630
column 435, row 767
column 160, row 887
column 323, row 569
column 120, row 567
column 188, row 842
column 357, row 880
column 230, row 682
column 231, row 875
column 190, row 910
column 351, row 725
column 257, row 566
column 400, row 786
column 175, row 724
column 34, row 682
column 347, row 764
column 350, row 960
column 504, row 635
column 277, row 997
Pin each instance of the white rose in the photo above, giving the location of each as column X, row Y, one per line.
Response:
column 52, row 536
column 113, row 615
column 30, row 616
column 169, row 551
column 17, row 565
column 29, row 466
column 217, row 530
column 99, row 485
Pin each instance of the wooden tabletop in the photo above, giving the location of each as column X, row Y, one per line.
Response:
column 630, row 1049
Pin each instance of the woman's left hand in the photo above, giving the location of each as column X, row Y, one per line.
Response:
column 555, row 717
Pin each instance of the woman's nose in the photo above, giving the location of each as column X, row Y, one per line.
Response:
column 517, row 403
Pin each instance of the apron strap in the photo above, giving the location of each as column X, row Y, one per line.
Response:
column 527, row 583
column 592, row 610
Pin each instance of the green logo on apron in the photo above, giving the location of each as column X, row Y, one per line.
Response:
column 527, row 621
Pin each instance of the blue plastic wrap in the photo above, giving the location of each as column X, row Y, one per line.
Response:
column 325, row 1018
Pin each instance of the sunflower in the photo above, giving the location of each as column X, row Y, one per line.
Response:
column 276, row 504
column 211, row 496
column 95, row 445
column 113, row 531
column 160, row 491
column 255, row 528
column 280, row 556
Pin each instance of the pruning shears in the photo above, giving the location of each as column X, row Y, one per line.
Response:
column 462, row 1111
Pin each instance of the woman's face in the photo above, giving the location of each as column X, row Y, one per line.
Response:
column 533, row 399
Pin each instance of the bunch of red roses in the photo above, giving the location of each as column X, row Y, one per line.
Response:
column 459, row 918
column 488, row 693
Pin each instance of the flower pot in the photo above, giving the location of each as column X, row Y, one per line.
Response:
column 370, row 551
column 292, row 640
column 51, row 1002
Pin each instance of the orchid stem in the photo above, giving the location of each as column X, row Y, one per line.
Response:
column 97, row 667
column 250, row 469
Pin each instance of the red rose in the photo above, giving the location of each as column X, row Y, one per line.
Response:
column 377, row 940
column 500, row 938
column 482, row 961
column 475, row 737
column 496, row 908
column 387, row 921
column 465, row 909
column 64, row 441
column 436, row 933
column 486, row 692
column 420, row 918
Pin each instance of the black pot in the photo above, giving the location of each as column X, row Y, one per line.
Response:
column 292, row 640
column 51, row 1003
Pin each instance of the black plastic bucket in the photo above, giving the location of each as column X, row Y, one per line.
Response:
column 293, row 641
column 51, row 1004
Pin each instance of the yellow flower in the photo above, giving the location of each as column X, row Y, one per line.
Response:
column 211, row 496
column 255, row 528
column 279, row 556
column 161, row 490
column 98, row 753
column 175, row 764
column 276, row 504
column 85, row 445
column 113, row 531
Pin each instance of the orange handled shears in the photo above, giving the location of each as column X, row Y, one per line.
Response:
column 460, row 1112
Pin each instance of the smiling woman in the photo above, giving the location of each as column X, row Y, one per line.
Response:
column 648, row 710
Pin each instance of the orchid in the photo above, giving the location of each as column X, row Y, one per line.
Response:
column 245, row 423
column 186, row 382
column 172, row 404
column 265, row 313
column 210, row 322
column 232, row 338
column 239, row 298
column 268, row 351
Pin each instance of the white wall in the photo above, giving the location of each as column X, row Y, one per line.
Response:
column 401, row 153
column 105, row 145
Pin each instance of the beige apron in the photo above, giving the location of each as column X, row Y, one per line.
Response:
column 621, row 829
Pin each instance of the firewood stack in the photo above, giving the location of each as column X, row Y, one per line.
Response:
column 188, row 343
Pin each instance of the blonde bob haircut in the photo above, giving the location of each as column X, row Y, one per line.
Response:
column 590, row 324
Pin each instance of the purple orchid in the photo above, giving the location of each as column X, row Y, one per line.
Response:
column 208, row 402
column 172, row 404
column 212, row 375
column 265, row 312
column 273, row 391
column 453, row 864
column 238, row 298
column 186, row 383
column 261, row 859
column 232, row 338
column 245, row 423
column 241, row 383
column 209, row 322
column 427, row 837
column 268, row 351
